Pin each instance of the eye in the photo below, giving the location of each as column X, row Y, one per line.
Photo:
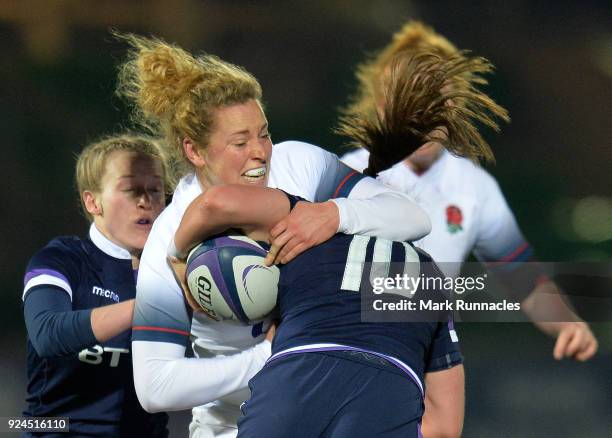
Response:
column 265, row 135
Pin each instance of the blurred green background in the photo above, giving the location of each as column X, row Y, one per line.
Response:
column 554, row 161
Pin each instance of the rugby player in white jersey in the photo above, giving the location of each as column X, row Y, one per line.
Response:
column 210, row 114
column 468, row 210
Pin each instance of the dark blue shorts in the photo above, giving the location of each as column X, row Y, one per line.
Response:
column 331, row 394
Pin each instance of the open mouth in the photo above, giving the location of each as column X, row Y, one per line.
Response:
column 255, row 174
column 144, row 222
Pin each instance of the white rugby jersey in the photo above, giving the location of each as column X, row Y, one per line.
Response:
column 162, row 326
column 467, row 209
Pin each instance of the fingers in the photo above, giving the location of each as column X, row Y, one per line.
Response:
column 293, row 252
column 271, row 332
column 590, row 350
column 289, row 247
column 561, row 344
column 278, row 229
column 575, row 343
column 278, row 238
column 271, row 257
column 179, row 267
column 276, row 249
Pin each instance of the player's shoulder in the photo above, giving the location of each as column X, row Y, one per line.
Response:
column 466, row 175
column 299, row 150
column 60, row 262
column 356, row 159
column 168, row 221
column 66, row 248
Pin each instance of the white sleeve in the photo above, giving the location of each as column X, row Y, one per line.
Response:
column 366, row 206
column 498, row 236
column 165, row 380
column 374, row 210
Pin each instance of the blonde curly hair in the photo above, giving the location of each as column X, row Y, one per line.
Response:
column 173, row 93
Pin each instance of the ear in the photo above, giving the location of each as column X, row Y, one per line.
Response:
column 92, row 203
column 194, row 155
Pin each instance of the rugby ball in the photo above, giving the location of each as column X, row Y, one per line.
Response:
column 227, row 277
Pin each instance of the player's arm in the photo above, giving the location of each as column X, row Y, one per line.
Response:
column 503, row 247
column 360, row 205
column 54, row 328
column 164, row 379
column 574, row 336
column 57, row 330
column 444, row 403
column 444, row 382
column 252, row 209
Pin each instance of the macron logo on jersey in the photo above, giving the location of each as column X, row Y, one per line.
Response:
column 105, row 293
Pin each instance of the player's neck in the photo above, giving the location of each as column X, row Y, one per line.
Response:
column 421, row 163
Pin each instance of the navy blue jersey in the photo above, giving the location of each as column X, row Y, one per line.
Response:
column 94, row 388
column 320, row 303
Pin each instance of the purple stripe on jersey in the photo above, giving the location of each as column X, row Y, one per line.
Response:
column 419, row 433
column 405, row 368
column 135, row 272
column 36, row 272
column 228, row 241
column 451, row 323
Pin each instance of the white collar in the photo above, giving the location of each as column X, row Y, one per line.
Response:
column 107, row 246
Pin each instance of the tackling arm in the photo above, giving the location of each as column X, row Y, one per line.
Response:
column 252, row 209
column 361, row 205
column 165, row 380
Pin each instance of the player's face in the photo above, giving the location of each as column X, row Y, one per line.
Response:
column 132, row 197
column 239, row 147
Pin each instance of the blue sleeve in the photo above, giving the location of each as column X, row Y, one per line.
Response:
column 53, row 327
column 444, row 351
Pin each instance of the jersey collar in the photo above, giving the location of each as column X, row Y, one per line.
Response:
column 106, row 246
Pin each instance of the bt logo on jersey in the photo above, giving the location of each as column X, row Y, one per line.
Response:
column 95, row 354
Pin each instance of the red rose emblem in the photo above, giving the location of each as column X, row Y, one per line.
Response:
column 454, row 218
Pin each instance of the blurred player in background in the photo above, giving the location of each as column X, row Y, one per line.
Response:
column 210, row 113
column 468, row 210
column 78, row 297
